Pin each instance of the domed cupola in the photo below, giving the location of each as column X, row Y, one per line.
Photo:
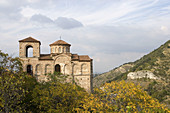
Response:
column 60, row 46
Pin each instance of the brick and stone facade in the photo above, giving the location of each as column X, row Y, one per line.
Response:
column 78, row 67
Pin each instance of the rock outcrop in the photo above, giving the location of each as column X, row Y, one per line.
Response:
column 141, row 74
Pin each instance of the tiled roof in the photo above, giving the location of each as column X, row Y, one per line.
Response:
column 81, row 57
column 84, row 58
column 60, row 42
column 29, row 39
column 45, row 57
column 75, row 57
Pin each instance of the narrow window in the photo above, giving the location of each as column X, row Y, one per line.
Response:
column 63, row 50
column 29, row 51
column 56, row 49
column 47, row 69
column 66, row 50
column 57, row 68
column 29, row 69
column 59, row 49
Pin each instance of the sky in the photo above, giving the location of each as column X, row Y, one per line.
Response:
column 111, row 32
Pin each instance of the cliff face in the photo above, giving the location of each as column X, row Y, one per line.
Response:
column 142, row 74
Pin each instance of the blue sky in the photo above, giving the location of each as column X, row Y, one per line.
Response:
column 112, row 32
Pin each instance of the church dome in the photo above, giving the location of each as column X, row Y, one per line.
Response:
column 60, row 46
column 60, row 42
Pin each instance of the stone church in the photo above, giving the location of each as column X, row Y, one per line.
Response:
column 60, row 59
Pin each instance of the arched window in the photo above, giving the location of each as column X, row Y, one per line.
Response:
column 76, row 70
column 67, row 49
column 57, row 68
column 59, row 49
column 84, row 69
column 29, row 69
column 56, row 50
column 47, row 69
column 38, row 69
column 29, row 51
column 63, row 50
column 67, row 69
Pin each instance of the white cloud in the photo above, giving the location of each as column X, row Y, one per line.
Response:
column 41, row 19
column 60, row 22
column 33, row 1
column 67, row 23
column 28, row 11
column 112, row 32
column 4, row 3
column 164, row 28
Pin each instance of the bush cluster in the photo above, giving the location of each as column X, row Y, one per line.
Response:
column 20, row 92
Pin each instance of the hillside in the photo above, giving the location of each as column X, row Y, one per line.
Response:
column 156, row 62
column 111, row 75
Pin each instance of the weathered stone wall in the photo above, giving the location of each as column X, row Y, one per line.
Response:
column 81, row 72
column 23, row 45
column 60, row 49
column 39, row 66
column 83, row 81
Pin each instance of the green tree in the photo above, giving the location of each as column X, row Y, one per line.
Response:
column 20, row 92
column 56, row 95
column 11, row 82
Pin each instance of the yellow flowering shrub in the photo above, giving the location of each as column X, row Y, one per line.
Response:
column 124, row 97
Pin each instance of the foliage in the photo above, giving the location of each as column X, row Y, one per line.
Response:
column 157, row 62
column 158, row 90
column 29, row 84
column 11, row 84
column 121, row 97
column 20, row 92
column 118, row 73
column 55, row 96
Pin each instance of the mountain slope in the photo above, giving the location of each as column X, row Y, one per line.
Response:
column 156, row 62
column 111, row 75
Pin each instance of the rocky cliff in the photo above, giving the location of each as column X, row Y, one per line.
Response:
column 142, row 74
